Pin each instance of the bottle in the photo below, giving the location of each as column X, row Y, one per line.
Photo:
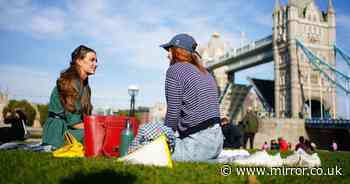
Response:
column 127, row 137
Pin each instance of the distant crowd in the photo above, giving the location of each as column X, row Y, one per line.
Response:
column 237, row 136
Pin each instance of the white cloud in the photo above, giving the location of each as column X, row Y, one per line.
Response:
column 51, row 21
column 126, row 33
column 26, row 83
column 24, row 16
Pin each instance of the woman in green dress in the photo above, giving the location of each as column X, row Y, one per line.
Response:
column 71, row 99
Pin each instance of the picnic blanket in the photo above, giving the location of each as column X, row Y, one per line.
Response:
column 31, row 146
column 242, row 157
column 239, row 157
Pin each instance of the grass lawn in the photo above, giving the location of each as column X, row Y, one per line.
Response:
column 30, row 167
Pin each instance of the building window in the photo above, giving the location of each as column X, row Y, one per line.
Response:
column 314, row 77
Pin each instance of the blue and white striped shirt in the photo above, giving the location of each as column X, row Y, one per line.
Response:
column 192, row 97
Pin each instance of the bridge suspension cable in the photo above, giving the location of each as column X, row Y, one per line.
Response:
column 342, row 54
column 318, row 63
column 347, row 60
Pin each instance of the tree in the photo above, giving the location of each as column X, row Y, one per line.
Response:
column 25, row 106
column 44, row 112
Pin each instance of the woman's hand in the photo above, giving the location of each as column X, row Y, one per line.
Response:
column 78, row 126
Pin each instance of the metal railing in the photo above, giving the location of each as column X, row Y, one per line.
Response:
column 240, row 51
column 327, row 121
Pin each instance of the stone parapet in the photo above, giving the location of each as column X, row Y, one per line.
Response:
column 289, row 129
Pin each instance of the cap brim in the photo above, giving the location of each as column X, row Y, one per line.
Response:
column 166, row 46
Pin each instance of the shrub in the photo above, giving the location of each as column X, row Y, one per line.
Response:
column 44, row 112
column 23, row 104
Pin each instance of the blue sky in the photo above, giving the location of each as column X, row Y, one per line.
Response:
column 37, row 37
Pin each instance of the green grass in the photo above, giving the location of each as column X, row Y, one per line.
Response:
column 31, row 167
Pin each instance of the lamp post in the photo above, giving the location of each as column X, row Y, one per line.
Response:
column 127, row 135
column 133, row 90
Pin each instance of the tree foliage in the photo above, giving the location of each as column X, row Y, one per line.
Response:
column 25, row 106
column 44, row 112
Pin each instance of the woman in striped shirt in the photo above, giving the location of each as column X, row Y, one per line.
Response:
column 192, row 103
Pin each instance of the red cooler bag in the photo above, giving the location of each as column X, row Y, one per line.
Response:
column 102, row 134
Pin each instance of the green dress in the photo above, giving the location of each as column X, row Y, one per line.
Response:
column 55, row 127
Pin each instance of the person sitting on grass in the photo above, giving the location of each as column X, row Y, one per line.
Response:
column 301, row 144
column 274, row 145
column 309, row 147
column 192, row 102
column 334, row 146
column 282, row 144
column 18, row 130
column 71, row 99
column 265, row 146
column 232, row 134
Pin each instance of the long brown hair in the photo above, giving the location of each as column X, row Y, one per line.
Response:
column 67, row 84
column 182, row 55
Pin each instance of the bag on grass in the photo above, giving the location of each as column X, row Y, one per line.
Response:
column 102, row 134
column 156, row 153
column 71, row 148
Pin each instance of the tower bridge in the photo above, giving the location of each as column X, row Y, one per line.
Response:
column 302, row 49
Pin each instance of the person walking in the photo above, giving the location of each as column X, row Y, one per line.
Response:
column 250, row 128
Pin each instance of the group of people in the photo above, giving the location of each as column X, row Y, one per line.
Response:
column 280, row 145
column 236, row 136
column 192, row 104
column 191, row 96
column 305, row 144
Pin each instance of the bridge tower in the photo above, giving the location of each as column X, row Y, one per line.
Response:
column 215, row 48
column 299, row 90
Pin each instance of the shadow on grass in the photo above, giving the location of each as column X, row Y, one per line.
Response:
column 99, row 177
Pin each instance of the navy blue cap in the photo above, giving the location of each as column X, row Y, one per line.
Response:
column 184, row 41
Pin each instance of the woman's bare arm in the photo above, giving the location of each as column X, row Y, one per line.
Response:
column 78, row 126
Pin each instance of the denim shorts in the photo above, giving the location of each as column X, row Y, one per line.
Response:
column 199, row 147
